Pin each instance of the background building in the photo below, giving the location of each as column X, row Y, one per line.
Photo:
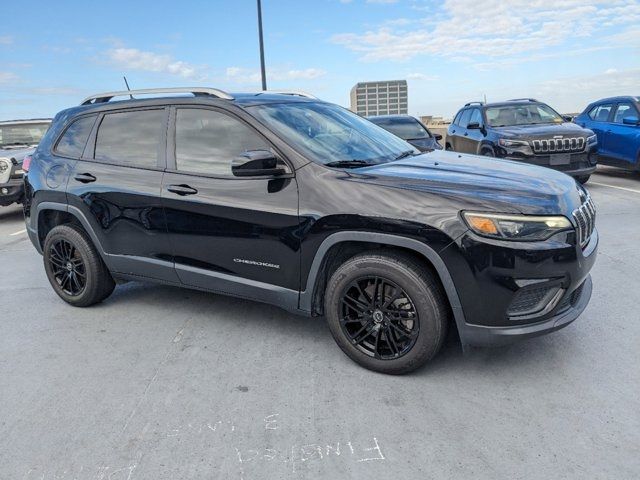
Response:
column 379, row 98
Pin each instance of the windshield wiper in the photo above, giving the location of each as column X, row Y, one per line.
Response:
column 408, row 153
column 348, row 163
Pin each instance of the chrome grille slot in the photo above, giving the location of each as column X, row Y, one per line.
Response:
column 558, row 145
column 585, row 219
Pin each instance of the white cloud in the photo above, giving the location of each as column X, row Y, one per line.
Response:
column 500, row 29
column 421, row 76
column 6, row 40
column 249, row 76
column 7, row 77
column 382, row 1
column 134, row 59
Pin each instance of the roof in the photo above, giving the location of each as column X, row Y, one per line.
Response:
column 619, row 98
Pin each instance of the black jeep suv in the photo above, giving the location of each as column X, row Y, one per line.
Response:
column 288, row 200
column 525, row 130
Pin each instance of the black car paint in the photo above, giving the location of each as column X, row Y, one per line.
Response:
column 486, row 140
column 424, row 144
column 229, row 235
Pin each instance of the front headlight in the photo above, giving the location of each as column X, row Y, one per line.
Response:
column 516, row 227
column 592, row 140
column 505, row 142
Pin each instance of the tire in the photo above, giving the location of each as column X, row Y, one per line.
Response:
column 448, row 148
column 488, row 153
column 421, row 291
column 68, row 244
column 583, row 179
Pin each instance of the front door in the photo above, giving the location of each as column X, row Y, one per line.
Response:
column 621, row 139
column 231, row 234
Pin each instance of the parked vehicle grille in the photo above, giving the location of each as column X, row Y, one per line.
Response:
column 5, row 170
column 533, row 301
column 558, row 145
column 585, row 218
column 571, row 299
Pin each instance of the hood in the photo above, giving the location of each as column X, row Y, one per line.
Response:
column 544, row 131
column 482, row 183
column 16, row 154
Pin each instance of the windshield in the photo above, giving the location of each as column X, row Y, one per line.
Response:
column 328, row 133
column 407, row 128
column 525, row 114
column 22, row 134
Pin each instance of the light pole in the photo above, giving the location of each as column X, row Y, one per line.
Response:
column 262, row 69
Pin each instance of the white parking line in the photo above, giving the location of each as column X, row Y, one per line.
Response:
column 18, row 233
column 615, row 186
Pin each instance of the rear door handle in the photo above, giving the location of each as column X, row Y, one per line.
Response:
column 85, row 178
column 182, row 190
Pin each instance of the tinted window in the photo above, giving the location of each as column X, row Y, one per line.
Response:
column 522, row 114
column 407, row 128
column 456, row 121
column 463, row 121
column 130, row 138
column 208, row 141
column 624, row 110
column 600, row 113
column 75, row 137
column 476, row 116
column 22, row 134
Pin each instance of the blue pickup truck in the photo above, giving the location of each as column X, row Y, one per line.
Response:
column 616, row 122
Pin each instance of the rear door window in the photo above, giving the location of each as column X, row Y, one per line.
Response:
column 131, row 139
column 75, row 137
column 600, row 113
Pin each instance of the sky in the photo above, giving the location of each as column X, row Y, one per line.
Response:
column 564, row 52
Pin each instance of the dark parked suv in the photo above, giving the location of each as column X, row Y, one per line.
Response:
column 288, row 200
column 524, row 130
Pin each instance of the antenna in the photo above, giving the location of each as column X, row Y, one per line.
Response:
column 127, row 84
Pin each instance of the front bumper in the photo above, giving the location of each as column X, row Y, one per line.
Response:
column 479, row 335
column 14, row 192
column 582, row 163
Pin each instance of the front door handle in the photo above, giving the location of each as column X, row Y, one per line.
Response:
column 85, row 178
column 182, row 190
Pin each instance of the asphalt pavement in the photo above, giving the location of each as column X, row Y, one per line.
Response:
column 165, row 383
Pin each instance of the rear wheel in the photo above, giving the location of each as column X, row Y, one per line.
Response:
column 386, row 312
column 448, row 147
column 488, row 153
column 74, row 267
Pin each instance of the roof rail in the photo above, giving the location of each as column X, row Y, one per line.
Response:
column 197, row 91
column 297, row 93
column 473, row 103
column 523, row 99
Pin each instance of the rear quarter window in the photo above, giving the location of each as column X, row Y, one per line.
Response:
column 75, row 137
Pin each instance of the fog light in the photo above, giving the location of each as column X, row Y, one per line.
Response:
column 4, row 191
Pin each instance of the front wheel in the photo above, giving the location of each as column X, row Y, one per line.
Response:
column 386, row 311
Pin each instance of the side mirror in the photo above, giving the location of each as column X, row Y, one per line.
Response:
column 256, row 163
column 474, row 126
column 437, row 136
column 631, row 120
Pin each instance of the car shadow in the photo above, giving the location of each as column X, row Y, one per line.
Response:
column 12, row 212
column 613, row 172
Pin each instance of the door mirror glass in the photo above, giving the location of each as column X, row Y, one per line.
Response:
column 257, row 163
column 631, row 120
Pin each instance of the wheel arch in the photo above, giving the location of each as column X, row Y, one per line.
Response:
column 340, row 246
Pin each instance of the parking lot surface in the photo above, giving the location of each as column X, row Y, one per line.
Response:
column 164, row 383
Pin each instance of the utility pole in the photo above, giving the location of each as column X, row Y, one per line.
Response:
column 262, row 69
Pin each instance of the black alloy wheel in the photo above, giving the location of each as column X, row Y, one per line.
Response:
column 379, row 318
column 68, row 267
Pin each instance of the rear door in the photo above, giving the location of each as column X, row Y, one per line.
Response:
column 115, row 186
column 232, row 234
column 623, row 141
column 600, row 116
column 458, row 139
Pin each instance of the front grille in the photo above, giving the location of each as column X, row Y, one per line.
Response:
column 558, row 145
column 585, row 218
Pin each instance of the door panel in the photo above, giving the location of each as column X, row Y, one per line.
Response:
column 622, row 141
column 234, row 234
column 121, row 202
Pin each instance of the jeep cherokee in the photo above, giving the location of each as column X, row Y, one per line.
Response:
column 524, row 130
column 292, row 201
